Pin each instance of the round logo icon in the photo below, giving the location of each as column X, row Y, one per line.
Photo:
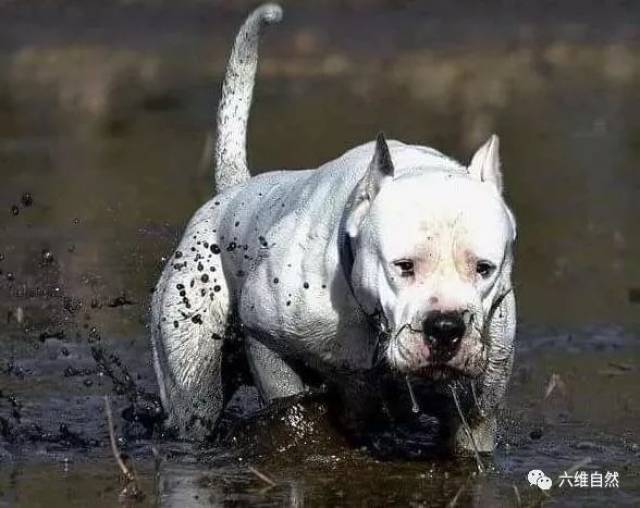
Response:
column 539, row 479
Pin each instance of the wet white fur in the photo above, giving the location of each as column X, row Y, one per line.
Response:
column 285, row 290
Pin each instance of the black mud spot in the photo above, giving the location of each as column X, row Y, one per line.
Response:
column 120, row 301
column 27, row 199
column 49, row 334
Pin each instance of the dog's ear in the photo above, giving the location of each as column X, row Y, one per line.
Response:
column 485, row 164
column 380, row 169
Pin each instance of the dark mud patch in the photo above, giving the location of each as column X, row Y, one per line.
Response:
column 55, row 423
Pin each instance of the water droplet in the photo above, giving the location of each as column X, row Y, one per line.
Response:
column 414, row 403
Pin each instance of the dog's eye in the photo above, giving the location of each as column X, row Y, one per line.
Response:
column 485, row 268
column 405, row 266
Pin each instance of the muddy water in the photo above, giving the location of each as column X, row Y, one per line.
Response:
column 105, row 130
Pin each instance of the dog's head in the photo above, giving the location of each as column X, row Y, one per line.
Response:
column 432, row 256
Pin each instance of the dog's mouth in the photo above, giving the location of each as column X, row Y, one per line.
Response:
column 441, row 354
column 414, row 352
column 440, row 372
column 468, row 362
column 415, row 356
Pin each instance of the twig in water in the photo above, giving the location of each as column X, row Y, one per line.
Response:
column 131, row 488
column 578, row 465
column 456, row 498
column 518, row 498
column 467, row 430
column 262, row 476
column 555, row 383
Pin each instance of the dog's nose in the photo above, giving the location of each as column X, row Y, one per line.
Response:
column 445, row 329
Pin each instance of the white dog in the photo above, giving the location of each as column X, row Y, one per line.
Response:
column 392, row 260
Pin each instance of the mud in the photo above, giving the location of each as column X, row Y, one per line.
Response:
column 54, row 430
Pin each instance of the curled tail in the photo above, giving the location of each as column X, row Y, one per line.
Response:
column 235, row 103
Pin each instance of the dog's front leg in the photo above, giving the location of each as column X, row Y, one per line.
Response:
column 273, row 377
column 487, row 394
column 479, row 435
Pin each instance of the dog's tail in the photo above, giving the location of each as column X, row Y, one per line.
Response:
column 235, row 103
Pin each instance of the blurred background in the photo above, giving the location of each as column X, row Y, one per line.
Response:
column 105, row 108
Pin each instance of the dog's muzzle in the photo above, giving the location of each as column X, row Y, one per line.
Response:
column 443, row 332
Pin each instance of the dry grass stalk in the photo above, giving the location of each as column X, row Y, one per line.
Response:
column 131, row 489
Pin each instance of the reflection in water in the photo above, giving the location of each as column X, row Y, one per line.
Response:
column 552, row 434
